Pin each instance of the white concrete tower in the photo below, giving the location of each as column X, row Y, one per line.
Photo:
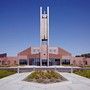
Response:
column 44, row 37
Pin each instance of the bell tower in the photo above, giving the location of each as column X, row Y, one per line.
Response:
column 44, row 37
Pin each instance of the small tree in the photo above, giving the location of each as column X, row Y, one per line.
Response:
column 80, row 63
column 84, row 62
column 74, row 62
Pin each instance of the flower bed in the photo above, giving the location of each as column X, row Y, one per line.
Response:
column 46, row 76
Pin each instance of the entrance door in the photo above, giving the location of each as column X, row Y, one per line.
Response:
column 23, row 62
column 57, row 61
column 44, row 62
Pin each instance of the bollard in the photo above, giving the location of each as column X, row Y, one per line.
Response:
column 71, row 69
column 18, row 70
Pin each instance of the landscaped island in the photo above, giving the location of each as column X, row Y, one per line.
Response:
column 45, row 76
column 4, row 73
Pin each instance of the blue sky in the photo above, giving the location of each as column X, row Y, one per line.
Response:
column 69, row 25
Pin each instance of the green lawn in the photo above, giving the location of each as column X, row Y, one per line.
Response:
column 87, row 66
column 4, row 73
column 85, row 73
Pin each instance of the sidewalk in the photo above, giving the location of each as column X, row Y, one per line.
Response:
column 14, row 82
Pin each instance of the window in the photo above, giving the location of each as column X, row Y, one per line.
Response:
column 34, row 50
column 38, row 50
column 54, row 50
column 50, row 50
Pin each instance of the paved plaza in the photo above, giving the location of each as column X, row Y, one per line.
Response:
column 15, row 82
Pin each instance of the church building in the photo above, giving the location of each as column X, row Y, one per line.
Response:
column 44, row 55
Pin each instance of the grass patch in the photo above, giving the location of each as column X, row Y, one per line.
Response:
column 85, row 73
column 4, row 73
column 45, row 76
column 86, row 66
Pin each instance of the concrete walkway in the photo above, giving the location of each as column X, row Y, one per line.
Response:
column 14, row 82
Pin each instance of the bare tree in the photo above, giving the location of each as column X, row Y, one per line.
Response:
column 74, row 62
